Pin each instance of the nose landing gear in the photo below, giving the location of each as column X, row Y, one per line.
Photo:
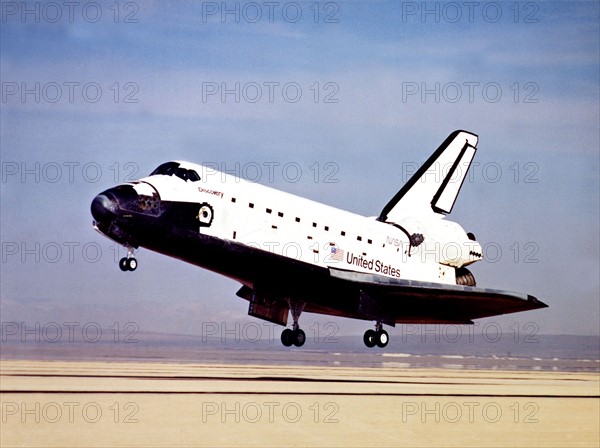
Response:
column 128, row 263
column 378, row 337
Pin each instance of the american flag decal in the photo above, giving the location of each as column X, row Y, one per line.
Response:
column 337, row 254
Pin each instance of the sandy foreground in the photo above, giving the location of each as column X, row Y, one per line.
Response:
column 52, row 403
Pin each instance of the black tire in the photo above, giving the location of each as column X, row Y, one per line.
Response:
column 287, row 337
column 299, row 338
column 123, row 264
column 369, row 338
column 382, row 338
column 132, row 264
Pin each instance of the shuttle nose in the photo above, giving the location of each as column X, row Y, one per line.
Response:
column 103, row 207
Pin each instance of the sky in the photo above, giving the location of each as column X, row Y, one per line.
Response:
column 335, row 101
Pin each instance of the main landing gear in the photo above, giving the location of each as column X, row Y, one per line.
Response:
column 128, row 263
column 294, row 336
column 291, row 337
column 378, row 337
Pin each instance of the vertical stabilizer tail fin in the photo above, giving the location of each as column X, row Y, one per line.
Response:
column 435, row 186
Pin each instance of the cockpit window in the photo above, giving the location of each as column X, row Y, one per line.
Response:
column 168, row 169
column 173, row 168
column 193, row 176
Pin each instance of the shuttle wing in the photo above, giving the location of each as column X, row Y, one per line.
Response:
column 393, row 300
column 436, row 184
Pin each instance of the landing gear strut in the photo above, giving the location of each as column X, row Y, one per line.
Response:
column 294, row 336
column 378, row 337
column 128, row 263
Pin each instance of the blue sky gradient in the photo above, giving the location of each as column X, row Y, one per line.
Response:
column 541, row 209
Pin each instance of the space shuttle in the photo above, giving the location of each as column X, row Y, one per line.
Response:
column 293, row 255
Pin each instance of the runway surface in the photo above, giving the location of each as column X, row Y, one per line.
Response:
column 59, row 403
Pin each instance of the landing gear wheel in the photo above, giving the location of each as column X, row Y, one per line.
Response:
column 382, row 338
column 128, row 264
column 132, row 264
column 287, row 337
column 299, row 337
column 370, row 338
column 294, row 336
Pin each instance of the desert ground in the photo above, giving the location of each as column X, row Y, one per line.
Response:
column 68, row 403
